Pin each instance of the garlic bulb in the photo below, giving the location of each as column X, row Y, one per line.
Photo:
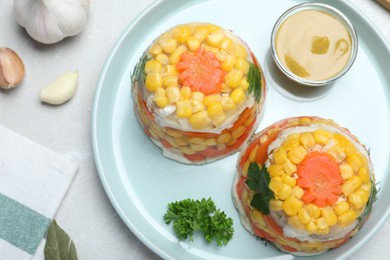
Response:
column 49, row 21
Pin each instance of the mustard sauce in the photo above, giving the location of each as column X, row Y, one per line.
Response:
column 313, row 45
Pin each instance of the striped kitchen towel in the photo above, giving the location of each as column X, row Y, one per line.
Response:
column 33, row 182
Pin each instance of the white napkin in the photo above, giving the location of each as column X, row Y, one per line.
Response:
column 33, row 182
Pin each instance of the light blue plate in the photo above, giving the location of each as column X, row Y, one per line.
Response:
column 140, row 182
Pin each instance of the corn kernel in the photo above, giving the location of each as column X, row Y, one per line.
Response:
column 343, row 141
column 337, row 153
column 341, row 208
column 196, row 140
column 322, row 224
column 210, row 99
column 297, row 192
column 210, row 141
column 238, row 96
column 289, row 167
column 215, row 110
column 275, row 185
column 288, row 180
column 168, row 44
column 351, row 185
column 198, row 147
column 181, row 141
column 311, row 227
column 242, row 65
column 172, row 93
column 201, row 33
column 197, row 96
column 228, row 104
column 346, row 171
column 155, row 50
column 228, row 64
column 199, row 120
column 329, row 216
column 364, row 174
column 219, row 120
column 233, row 78
column 297, row 154
column 313, row 210
column 322, row 137
column 275, row 170
column 275, row 204
column 347, row 218
column 152, row 66
column 169, row 70
column 253, row 154
column 244, row 169
column 197, row 106
column 193, row 43
column 257, row 217
column 367, row 187
column 226, row 43
column 170, row 80
column 185, row 92
column 292, row 205
column 358, row 198
column 284, row 192
column 238, row 132
column 295, row 223
column 153, row 81
column 175, row 55
column 307, row 140
column 186, row 150
column 214, row 39
column 224, row 138
column 162, row 58
column 323, row 231
column 303, row 216
column 356, row 161
column 290, row 144
column 239, row 50
column 160, row 98
column 181, row 33
column 279, row 155
column 221, row 56
column 183, row 109
column 244, row 83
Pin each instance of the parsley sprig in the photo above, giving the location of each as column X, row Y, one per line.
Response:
column 190, row 215
column 258, row 181
column 139, row 70
column 254, row 80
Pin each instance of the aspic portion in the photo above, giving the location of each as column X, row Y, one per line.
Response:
column 198, row 92
column 305, row 184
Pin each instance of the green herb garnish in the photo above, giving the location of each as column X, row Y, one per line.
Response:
column 139, row 70
column 258, row 181
column 190, row 215
column 59, row 246
column 254, row 80
column 371, row 201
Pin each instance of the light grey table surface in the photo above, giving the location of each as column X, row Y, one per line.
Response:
column 86, row 213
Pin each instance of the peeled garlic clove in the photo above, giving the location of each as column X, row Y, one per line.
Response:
column 61, row 89
column 11, row 69
column 50, row 21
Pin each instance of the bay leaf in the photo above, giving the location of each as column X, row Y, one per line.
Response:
column 59, row 246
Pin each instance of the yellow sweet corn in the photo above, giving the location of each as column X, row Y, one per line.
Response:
column 295, row 223
column 201, row 33
column 275, row 170
column 292, row 205
column 359, row 198
column 153, row 66
column 170, row 80
column 337, row 153
column 322, row 223
column 240, row 50
column 244, row 83
column 329, row 216
column 200, row 120
column 346, row 171
column 214, row 39
column 168, row 44
column 233, row 78
column 197, row 106
column 364, row 174
column 307, row 140
column 297, row 154
column 288, row 180
column 181, row 33
column 193, row 43
column 162, row 58
column 169, row 70
column 225, row 43
column 210, row 99
column 155, row 49
column 175, row 55
column 238, row 96
column 160, row 98
column 303, row 216
column 347, row 218
column 322, row 136
column 341, row 208
column 153, row 81
column 297, row 192
column 356, row 161
column 351, row 185
column 185, row 92
column 183, row 109
column 224, row 138
column 275, row 204
column 291, row 143
column 172, row 93
column 228, row 64
column 228, row 104
column 275, row 185
column 284, row 192
column 215, row 110
column 238, row 132
column 289, row 167
column 313, row 210
column 311, row 227
column 242, row 65
column 280, row 155
column 198, row 147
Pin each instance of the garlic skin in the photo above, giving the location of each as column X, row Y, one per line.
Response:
column 50, row 21
column 61, row 89
column 11, row 69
